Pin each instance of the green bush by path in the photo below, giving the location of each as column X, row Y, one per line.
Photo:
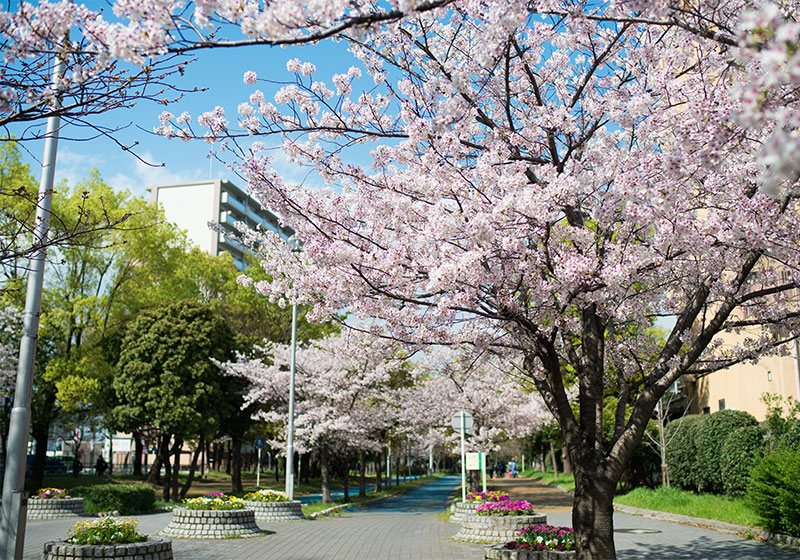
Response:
column 684, row 502
column 741, row 451
column 774, row 491
column 711, row 437
column 681, row 436
column 127, row 499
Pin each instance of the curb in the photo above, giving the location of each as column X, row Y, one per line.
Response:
column 719, row 526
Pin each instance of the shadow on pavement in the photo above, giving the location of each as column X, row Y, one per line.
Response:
column 706, row 549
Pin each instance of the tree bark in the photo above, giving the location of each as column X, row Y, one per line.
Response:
column 324, row 474
column 566, row 465
column 167, row 468
column 553, row 456
column 40, row 429
column 176, row 467
column 154, row 476
column 593, row 516
column 138, row 450
column 362, row 475
column 346, row 470
column 192, row 468
column 379, row 472
column 236, row 464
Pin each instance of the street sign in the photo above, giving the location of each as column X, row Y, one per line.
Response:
column 260, row 443
column 458, row 418
column 474, row 461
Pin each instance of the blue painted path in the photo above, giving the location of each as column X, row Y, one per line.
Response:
column 433, row 497
column 336, row 494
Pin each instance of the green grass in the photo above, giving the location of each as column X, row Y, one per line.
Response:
column 564, row 480
column 682, row 502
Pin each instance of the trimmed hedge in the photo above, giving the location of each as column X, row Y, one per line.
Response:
column 711, row 437
column 127, row 499
column 742, row 450
column 774, row 491
column 681, row 436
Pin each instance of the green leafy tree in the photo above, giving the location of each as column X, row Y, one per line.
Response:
column 165, row 375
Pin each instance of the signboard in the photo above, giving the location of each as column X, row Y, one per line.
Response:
column 474, row 461
column 260, row 443
column 457, row 419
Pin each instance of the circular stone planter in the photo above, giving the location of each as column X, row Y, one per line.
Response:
column 462, row 509
column 495, row 528
column 55, row 508
column 497, row 552
column 212, row 524
column 276, row 511
column 154, row 549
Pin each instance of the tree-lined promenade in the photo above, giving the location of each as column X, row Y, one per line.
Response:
column 584, row 199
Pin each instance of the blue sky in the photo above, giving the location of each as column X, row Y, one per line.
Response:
column 221, row 72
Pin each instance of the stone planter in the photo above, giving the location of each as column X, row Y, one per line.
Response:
column 497, row 552
column 276, row 511
column 154, row 549
column 495, row 528
column 462, row 509
column 55, row 508
column 212, row 524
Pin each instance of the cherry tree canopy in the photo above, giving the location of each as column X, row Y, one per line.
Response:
column 544, row 187
column 343, row 393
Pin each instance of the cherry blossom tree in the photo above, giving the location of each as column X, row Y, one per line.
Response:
column 342, row 388
column 544, row 187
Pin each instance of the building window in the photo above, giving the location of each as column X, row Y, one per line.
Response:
column 769, row 376
column 707, row 410
column 722, row 404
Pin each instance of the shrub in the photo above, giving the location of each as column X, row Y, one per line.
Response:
column 681, row 436
column 127, row 499
column 105, row 531
column 774, row 491
column 791, row 437
column 711, row 436
column 742, row 449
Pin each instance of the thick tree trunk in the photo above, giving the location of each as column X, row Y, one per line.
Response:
column 40, row 429
column 192, row 468
column 176, row 467
column 592, row 516
column 236, row 464
column 325, row 474
column 138, row 450
column 379, row 472
column 362, row 475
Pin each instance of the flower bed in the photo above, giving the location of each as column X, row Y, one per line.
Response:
column 108, row 538
column 270, row 505
column 498, row 521
column 54, row 503
column 213, row 501
column 504, row 508
column 473, row 500
column 536, row 542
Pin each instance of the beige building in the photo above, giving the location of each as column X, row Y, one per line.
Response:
column 740, row 387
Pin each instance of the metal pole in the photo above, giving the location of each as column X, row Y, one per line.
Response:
column 483, row 468
column 14, row 508
column 463, row 459
column 290, row 436
column 258, row 470
column 389, row 467
column 430, row 461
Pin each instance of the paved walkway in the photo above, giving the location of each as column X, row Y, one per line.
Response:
column 410, row 528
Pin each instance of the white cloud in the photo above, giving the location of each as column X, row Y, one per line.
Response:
column 144, row 175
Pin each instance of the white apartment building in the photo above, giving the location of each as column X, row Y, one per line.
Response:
column 193, row 205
